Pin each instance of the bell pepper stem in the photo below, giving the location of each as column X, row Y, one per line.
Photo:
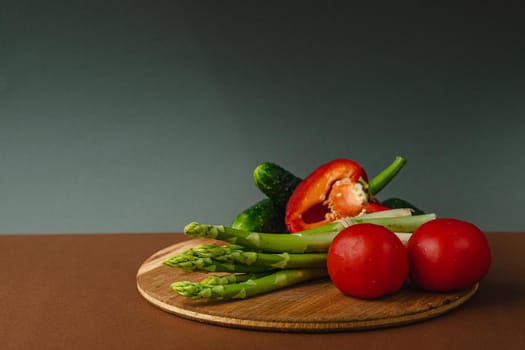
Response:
column 384, row 177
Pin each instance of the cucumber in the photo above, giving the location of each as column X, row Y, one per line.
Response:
column 267, row 215
column 275, row 182
column 264, row 216
column 395, row 203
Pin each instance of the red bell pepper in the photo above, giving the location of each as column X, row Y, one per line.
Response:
column 335, row 190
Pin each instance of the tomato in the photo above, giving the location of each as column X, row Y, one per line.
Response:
column 367, row 261
column 448, row 254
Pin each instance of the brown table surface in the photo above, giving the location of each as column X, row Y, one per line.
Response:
column 79, row 292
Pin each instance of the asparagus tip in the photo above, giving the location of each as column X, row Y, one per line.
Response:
column 196, row 230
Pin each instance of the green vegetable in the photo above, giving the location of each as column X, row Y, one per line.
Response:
column 232, row 278
column 277, row 280
column 395, row 202
column 211, row 265
column 316, row 239
column 399, row 224
column 275, row 182
column 267, row 215
column 207, row 257
column 264, row 216
column 269, row 242
column 384, row 177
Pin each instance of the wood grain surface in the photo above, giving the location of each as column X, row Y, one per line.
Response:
column 309, row 307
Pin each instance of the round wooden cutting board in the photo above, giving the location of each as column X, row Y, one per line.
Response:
column 309, row 307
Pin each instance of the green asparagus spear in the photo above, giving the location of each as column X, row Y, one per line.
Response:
column 232, row 278
column 313, row 240
column 212, row 251
column 277, row 280
column 208, row 256
column 211, row 265
column 268, row 242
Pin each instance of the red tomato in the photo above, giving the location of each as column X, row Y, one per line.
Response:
column 448, row 254
column 367, row 261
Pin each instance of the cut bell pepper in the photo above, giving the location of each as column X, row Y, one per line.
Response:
column 335, row 190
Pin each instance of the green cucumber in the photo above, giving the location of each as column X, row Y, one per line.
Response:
column 264, row 216
column 267, row 215
column 396, row 203
column 275, row 182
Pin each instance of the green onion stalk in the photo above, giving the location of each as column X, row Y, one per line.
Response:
column 314, row 240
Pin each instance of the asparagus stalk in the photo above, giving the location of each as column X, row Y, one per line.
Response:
column 212, row 251
column 212, row 265
column 274, row 281
column 209, row 256
column 269, row 242
column 232, row 278
column 314, row 240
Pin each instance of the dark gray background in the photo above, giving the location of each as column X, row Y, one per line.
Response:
column 128, row 116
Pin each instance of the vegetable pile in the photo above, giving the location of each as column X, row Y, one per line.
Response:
column 331, row 225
